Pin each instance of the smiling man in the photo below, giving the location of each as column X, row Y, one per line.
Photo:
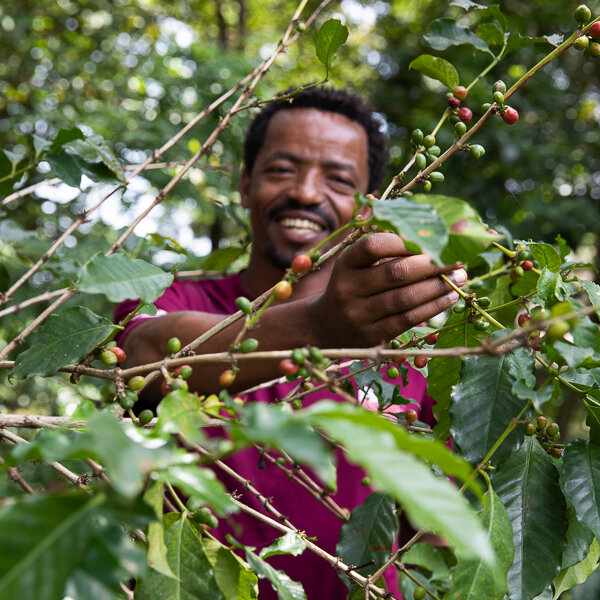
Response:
column 305, row 160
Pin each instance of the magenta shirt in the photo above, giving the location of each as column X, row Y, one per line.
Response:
column 217, row 296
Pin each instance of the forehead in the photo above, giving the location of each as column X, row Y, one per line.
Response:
column 317, row 133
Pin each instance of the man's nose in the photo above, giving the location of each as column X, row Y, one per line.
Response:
column 308, row 187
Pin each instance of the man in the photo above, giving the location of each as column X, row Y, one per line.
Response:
column 304, row 162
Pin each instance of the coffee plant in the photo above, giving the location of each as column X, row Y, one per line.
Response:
column 105, row 501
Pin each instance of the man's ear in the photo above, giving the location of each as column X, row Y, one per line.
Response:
column 245, row 188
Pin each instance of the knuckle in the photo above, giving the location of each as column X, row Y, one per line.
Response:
column 396, row 270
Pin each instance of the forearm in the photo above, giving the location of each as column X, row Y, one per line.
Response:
column 281, row 327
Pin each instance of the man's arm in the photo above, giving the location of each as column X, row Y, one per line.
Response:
column 376, row 291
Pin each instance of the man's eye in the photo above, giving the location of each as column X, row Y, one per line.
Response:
column 278, row 169
column 342, row 180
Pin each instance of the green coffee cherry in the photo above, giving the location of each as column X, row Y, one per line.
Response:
column 301, row 26
column 427, row 186
column 416, row 137
column 136, row 383
column 249, row 345
column 530, row 429
column 460, row 129
column 429, row 157
column 244, row 305
column 541, row 422
column 436, row 177
column 499, row 97
column 173, row 345
column 392, row 372
column 484, row 301
column 178, row 384
column 428, row 141
column 499, row 86
column 298, row 356
column 419, row 593
column 420, row 161
column 434, row 151
column 556, row 331
column 553, row 430
column 395, row 344
column 128, row 400
column 582, row 14
column 186, row 372
column 593, row 50
column 476, row 151
column 485, row 107
column 297, row 403
column 459, row 307
column 145, row 417
column 481, row 324
column 108, row 358
column 581, row 43
column 315, row 354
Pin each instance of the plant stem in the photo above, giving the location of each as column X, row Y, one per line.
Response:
column 176, row 497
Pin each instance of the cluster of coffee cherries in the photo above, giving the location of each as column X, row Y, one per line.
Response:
column 426, row 153
column 509, row 115
column 556, row 331
column 522, row 261
column 547, row 434
column 420, row 360
column 468, row 305
column 586, row 42
column 300, row 265
column 302, row 364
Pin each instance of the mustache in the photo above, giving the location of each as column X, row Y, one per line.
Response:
column 292, row 205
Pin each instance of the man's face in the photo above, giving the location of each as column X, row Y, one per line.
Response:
column 303, row 181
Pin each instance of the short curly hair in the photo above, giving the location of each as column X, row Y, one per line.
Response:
column 328, row 99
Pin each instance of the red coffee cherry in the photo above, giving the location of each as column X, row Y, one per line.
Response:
column 594, row 30
column 283, row 290
column 465, row 114
column 301, row 264
column 411, row 414
column 226, row 378
column 523, row 318
column 119, row 353
column 432, row 338
column 420, row 361
column 288, row 367
column 527, row 265
column 460, row 92
column 453, row 102
column 510, row 116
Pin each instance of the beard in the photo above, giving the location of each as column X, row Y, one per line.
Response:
column 282, row 257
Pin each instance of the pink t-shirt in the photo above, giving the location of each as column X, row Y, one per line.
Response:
column 217, row 296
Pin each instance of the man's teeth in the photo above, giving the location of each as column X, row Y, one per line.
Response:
column 303, row 224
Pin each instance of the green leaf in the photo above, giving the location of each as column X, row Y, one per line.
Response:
column 436, row 68
column 580, row 482
column 62, row 339
column 467, row 4
column 472, row 578
column 286, row 588
column 64, row 136
column 65, row 167
column 418, row 224
column 42, row 539
column 551, row 288
column 467, row 234
column 483, row 405
column 430, row 558
column 273, row 425
column 516, row 41
column 444, row 33
column 201, row 483
column 290, row 543
column 104, row 151
column 593, row 291
column 546, row 255
column 221, row 258
column 188, row 560
column 430, row 502
column 233, row 575
column 181, row 412
column 120, row 278
column 330, row 37
column 127, row 462
column 578, row 573
column 369, row 534
column 491, row 34
column 579, row 539
column 527, row 483
column 111, row 557
column 157, row 549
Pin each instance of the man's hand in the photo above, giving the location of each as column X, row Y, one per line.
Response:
column 378, row 289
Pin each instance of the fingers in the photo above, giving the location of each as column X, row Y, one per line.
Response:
column 409, row 297
column 372, row 248
column 400, row 322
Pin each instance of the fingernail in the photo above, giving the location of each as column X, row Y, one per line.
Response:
column 452, row 296
column 458, row 277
